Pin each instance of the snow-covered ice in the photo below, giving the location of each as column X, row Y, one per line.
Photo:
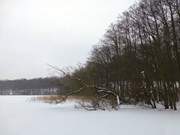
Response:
column 21, row 116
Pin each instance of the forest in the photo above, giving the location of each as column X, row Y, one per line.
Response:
column 136, row 61
column 37, row 86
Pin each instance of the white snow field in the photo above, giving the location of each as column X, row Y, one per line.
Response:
column 20, row 116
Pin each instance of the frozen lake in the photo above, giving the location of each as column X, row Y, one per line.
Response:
column 21, row 116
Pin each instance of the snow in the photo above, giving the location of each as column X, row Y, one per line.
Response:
column 21, row 116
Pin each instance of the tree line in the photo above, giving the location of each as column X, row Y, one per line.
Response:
column 37, row 86
column 137, row 60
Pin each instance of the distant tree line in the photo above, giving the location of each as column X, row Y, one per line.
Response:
column 38, row 86
column 137, row 60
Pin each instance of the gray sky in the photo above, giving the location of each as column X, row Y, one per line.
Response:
column 58, row 32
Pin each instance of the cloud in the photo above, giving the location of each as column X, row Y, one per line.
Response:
column 59, row 32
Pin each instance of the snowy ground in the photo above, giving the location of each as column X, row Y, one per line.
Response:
column 20, row 116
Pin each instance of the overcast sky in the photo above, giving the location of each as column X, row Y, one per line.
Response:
column 59, row 32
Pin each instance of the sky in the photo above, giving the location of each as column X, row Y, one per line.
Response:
column 34, row 33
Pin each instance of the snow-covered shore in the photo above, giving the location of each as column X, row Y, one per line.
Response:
column 21, row 116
